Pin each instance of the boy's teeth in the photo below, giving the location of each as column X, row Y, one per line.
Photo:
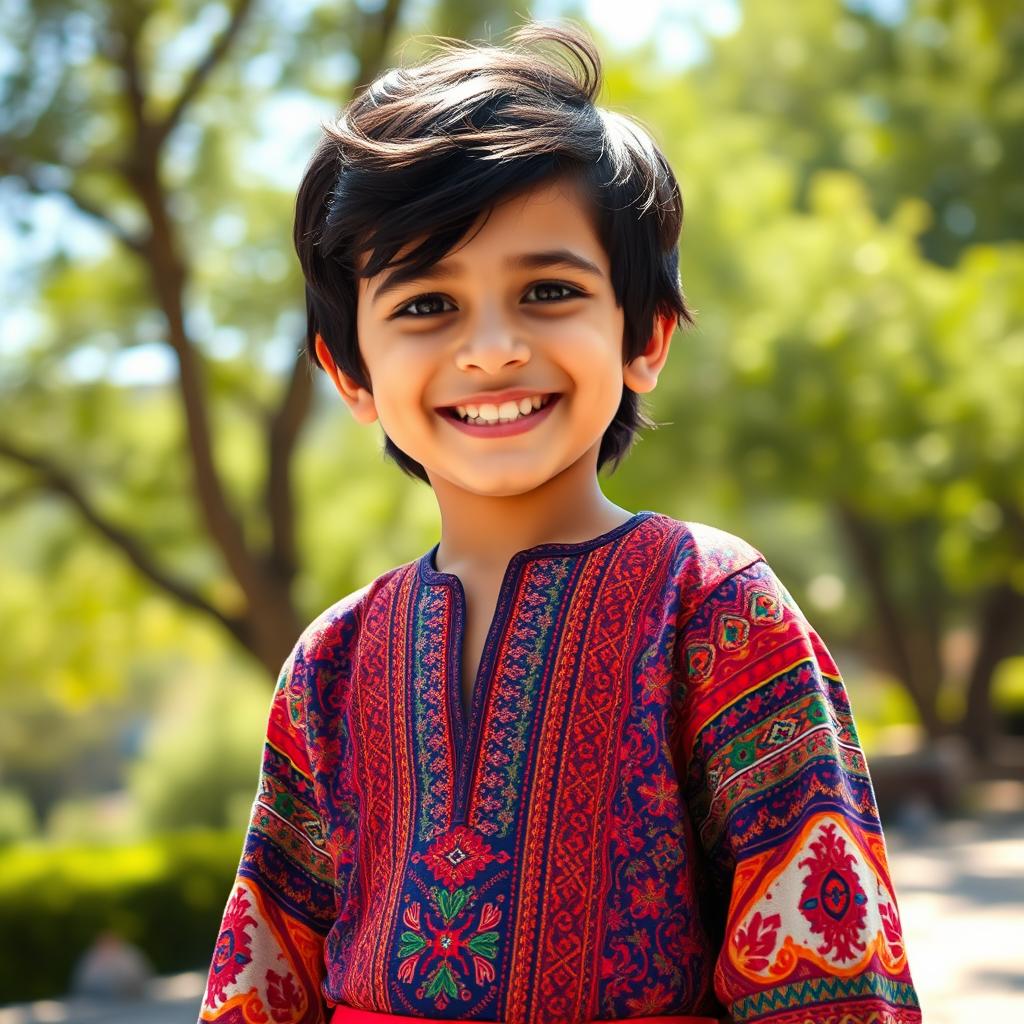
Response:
column 506, row 412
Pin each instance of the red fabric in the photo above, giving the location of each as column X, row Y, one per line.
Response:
column 657, row 800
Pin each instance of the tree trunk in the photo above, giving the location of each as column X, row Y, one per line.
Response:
column 265, row 622
column 1000, row 635
column 909, row 647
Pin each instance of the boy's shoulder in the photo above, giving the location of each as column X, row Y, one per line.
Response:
column 705, row 556
column 701, row 558
column 338, row 624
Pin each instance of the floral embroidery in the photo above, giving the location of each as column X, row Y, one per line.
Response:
column 459, row 856
column 283, row 996
column 233, row 951
column 833, row 900
column 756, row 942
column 448, row 947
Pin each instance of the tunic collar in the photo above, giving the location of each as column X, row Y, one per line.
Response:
column 428, row 572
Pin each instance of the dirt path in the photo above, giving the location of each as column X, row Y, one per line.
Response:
column 961, row 896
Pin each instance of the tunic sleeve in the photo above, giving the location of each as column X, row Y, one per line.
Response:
column 799, row 899
column 268, row 963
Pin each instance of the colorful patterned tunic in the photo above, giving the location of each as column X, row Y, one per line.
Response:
column 659, row 804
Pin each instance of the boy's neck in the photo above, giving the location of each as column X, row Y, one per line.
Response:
column 481, row 533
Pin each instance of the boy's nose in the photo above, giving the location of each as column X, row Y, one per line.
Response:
column 493, row 346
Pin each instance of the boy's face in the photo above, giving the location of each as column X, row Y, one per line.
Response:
column 483, row 320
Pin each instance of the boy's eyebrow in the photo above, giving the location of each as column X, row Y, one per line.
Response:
column 525, row 261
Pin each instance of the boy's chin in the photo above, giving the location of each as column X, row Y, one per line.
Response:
column 488, row 485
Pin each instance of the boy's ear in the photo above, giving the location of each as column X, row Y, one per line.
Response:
column 356, row 397
column 641, row 374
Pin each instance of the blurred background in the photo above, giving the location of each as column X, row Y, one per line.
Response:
column 178, row 497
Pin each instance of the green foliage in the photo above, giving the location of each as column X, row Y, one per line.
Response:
column 17, row 817
column 166, row 896
column 855, row 348
column 881, row 708
column 929, row 106
column 1008, row 695
column 200, row 760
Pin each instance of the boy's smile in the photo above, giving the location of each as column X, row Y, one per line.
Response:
column 521, row 315
column 496, row 415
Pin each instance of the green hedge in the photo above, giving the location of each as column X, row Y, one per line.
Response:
column 166, row 896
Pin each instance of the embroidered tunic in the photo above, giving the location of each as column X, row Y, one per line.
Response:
column 659, row 804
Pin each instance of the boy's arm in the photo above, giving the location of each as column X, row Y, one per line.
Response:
column 800, row 896
column 268, row 963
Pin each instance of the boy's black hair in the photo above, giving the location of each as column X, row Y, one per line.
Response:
column 423, row 151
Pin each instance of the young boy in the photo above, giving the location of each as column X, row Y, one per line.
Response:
column 573, row 763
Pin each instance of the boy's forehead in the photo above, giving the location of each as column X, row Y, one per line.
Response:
column 550, row 209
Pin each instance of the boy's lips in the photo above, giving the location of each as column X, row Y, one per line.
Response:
column 502, row 429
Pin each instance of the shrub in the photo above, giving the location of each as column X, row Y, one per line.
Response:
column 166, row 896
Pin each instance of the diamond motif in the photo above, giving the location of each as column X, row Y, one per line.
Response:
column 764, row 607
column 781, row 731
column 699, row 658
column 732, row 632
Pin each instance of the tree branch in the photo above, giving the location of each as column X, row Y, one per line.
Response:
column 168, row 275
column 203, row 69
column 283, row 429
column 32, row 176
column 121, row 47
column 53, row 478
column 378, row 27
column 894, row 627
column 16, row 496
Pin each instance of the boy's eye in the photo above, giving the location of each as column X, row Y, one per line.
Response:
column 433, row 303
column 550, row 289
column 424, row 305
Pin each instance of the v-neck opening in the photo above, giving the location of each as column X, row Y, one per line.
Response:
column 429, row 573
column 466, row 733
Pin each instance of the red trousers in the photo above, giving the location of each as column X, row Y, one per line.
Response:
column 350, row 1015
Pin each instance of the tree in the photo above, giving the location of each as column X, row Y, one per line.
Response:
column 855, row 348
column 103, row 141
